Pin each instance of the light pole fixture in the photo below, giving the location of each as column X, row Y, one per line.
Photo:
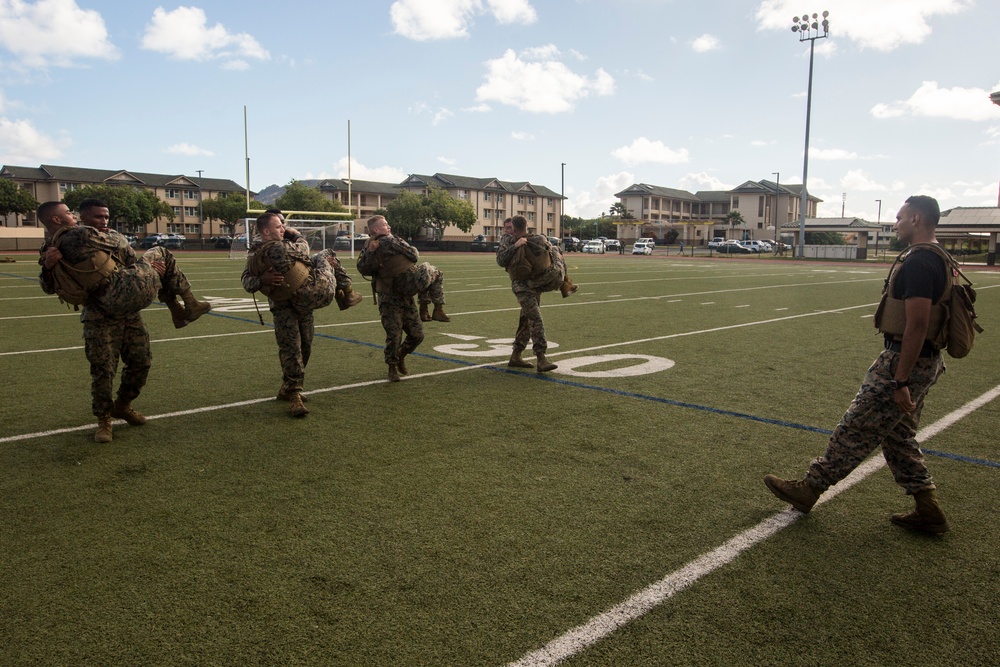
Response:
column 809, row 29
column 201, row 209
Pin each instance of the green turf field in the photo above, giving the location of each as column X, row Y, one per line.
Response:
column 608, row 513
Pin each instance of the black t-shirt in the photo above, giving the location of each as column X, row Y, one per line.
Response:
column 923, row 275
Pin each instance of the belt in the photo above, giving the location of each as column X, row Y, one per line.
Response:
column 927, row 352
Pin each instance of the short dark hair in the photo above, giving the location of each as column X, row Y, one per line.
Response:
column 91, row 203
column 927, row 207
column 520, row 223
column 264, row 219
column 274, row 211
column 46, row 210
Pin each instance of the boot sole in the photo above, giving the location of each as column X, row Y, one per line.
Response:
column 933, row 529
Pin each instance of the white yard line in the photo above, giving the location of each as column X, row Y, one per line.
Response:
column 601, row 626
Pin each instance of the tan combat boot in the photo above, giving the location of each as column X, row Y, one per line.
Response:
column 394, row 373
column 122, row 410
column 103, row 433
column 193, row 309
column 439, row 315
column 347, row 297
column 926, row 517
column 799, row 494
column 286, row 395
column 177, row 313
column 568, row 287
column 296, row 406
column 517, row 362
column 543, row 365
column 425, row 313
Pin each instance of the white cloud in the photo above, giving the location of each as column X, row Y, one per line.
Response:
column 642, row 151
column 53, row 32
column 447, row 161
column 21, row 143
column 423, row 20
column 541, row 87
column 590, row 203
column 883, row 26
column 702, row 181
column 189, row 149
column 930, row 101
column 831, row 154
column 384, row 174
column 437, row 116
column 705, row 43
column 522, row 136
column 441, row 115
column 184, row 34
column 859, row 180
column 479, row 108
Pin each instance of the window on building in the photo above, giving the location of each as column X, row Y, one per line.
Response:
column 736, row 201
column 192, row 229
column 190, row 211
column 463, row 194
column 487, row 196
column 172, row 194
column 500, row 199
column 550, row 232
column 531, row 216
column 488, row 213
column 760, row 206
column 520, row 199
column 67, row 187
column 501, row 214
column 177, row 210
column 548, row 200
column 191, row 194
column 531, row 201
column 549, row 217
column 175, row 228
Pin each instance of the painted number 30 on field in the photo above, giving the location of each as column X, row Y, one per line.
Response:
column 621, row 365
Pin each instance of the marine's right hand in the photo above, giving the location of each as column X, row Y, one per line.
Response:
column 271, row 278
column 52, row 257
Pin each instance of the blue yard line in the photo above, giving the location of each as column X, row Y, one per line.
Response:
column 963, row 459
column 629, row 394
column 14, row 275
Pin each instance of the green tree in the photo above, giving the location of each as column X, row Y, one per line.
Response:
column 734, row 219
column 301, row 197
column 618, row 208
column 15, row 200
column 130, row 209
column 229, row 208
column 436, row 210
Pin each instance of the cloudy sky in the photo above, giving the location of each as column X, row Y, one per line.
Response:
column 688, row 94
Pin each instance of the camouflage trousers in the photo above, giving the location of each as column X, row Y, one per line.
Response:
column 294, row 324
column 105, row 341
column 130, row 289
column 529, row 324
column 873, row 419
column 425, row 280
column 399, row 316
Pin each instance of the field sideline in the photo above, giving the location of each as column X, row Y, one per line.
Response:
column 609, row 513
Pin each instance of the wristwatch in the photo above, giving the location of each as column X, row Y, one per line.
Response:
column 899, row 384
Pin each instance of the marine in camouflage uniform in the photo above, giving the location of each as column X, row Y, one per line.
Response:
column 113, row 327
column 886, row 411
column 294, row 324
column 392, row 263
column 529, row 293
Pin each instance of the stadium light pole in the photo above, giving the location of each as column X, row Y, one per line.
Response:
column 878, row 221
column 777, row 198
column 806, row 27
column 562, row 196
column 201, row 209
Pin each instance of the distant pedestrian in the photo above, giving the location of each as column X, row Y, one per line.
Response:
column 682, row 248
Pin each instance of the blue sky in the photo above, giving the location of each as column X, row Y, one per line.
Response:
column 688, row 94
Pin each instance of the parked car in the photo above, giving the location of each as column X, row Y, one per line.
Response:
column 571, row 244
column 171, row 241
column 733, row 247
column 643, row 247
column 483, row 244
column 553, row 240
column 149, row 241
column 342, row 242
column 754, row 246
column 132, row 240
column 222, row 242
column 613, row 244
column 594, row 246
column 716, row 242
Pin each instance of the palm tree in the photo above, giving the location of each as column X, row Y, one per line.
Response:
column 734, row 219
